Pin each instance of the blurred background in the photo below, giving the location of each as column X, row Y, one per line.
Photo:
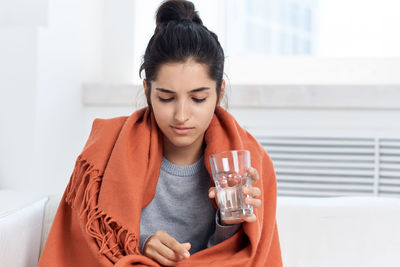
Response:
column 319, row 67
column 316, row 81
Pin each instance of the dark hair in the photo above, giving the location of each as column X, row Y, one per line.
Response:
column 179, row 36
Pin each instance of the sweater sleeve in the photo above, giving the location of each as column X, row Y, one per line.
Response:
column 222, row 232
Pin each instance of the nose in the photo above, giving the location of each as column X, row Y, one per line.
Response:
column 181, row 114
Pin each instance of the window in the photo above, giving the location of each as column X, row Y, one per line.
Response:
column 317, row 64
column 273, row 27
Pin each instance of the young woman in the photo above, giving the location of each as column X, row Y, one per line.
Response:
column 142, row 192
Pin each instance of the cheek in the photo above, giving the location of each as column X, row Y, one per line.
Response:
column 160, row 114
column 162, row 117
column 205, row 115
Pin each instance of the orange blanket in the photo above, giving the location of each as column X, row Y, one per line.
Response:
column 98, row 219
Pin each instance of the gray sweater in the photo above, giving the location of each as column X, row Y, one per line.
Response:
column 182, row 208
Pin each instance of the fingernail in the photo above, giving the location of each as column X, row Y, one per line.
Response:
column 245, row 190
column 186, row 254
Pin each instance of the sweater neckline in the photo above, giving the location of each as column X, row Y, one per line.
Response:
column 179, row 170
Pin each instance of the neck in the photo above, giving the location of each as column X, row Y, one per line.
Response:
column 183, row 155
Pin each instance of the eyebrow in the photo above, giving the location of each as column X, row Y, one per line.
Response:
column 191, row 91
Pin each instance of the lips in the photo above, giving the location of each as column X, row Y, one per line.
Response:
column 181, row 130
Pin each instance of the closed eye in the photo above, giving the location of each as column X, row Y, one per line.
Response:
column 165, row 99
column 197, row 100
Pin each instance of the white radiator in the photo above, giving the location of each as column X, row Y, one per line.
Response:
column 334, row 166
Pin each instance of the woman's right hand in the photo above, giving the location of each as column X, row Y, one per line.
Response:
column 165, row 249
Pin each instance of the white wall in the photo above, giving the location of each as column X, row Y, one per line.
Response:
column 358, row 28
column 45, row 58
column 18, row 60
column 211, row 12
column 17, row 105
column 69, row 53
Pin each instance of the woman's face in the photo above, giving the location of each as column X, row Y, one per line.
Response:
column 183, row 96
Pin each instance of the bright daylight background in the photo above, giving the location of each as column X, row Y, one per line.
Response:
column 317, row 81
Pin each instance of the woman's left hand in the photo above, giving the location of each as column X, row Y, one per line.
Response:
column 252, row 191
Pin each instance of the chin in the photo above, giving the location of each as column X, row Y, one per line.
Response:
column 181, row 141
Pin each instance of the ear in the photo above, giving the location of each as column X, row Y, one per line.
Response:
column 222, row 92
column 145, row 87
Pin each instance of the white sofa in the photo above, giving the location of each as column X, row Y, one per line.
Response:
column 339, row 231
column 323, row 232
column 21, row 224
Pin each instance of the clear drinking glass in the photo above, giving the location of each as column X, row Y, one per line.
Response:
column 230, row 174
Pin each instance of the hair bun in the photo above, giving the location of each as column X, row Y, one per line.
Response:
column 177, row 10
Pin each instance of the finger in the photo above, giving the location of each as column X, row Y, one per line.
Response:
column 251, row 218
column 156, row 251
column 187, row 246
column 173, row 245
column 168, row 253
column 252, row 191
column 160, row 259
column 235, row 221
column 233, row 182
column 254, row 175
column 256, row 203
column 212, row 192
column 224, row 183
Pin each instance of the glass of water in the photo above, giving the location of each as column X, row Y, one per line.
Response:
column 230, row 174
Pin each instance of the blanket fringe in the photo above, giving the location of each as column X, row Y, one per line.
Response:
column 82, row 193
